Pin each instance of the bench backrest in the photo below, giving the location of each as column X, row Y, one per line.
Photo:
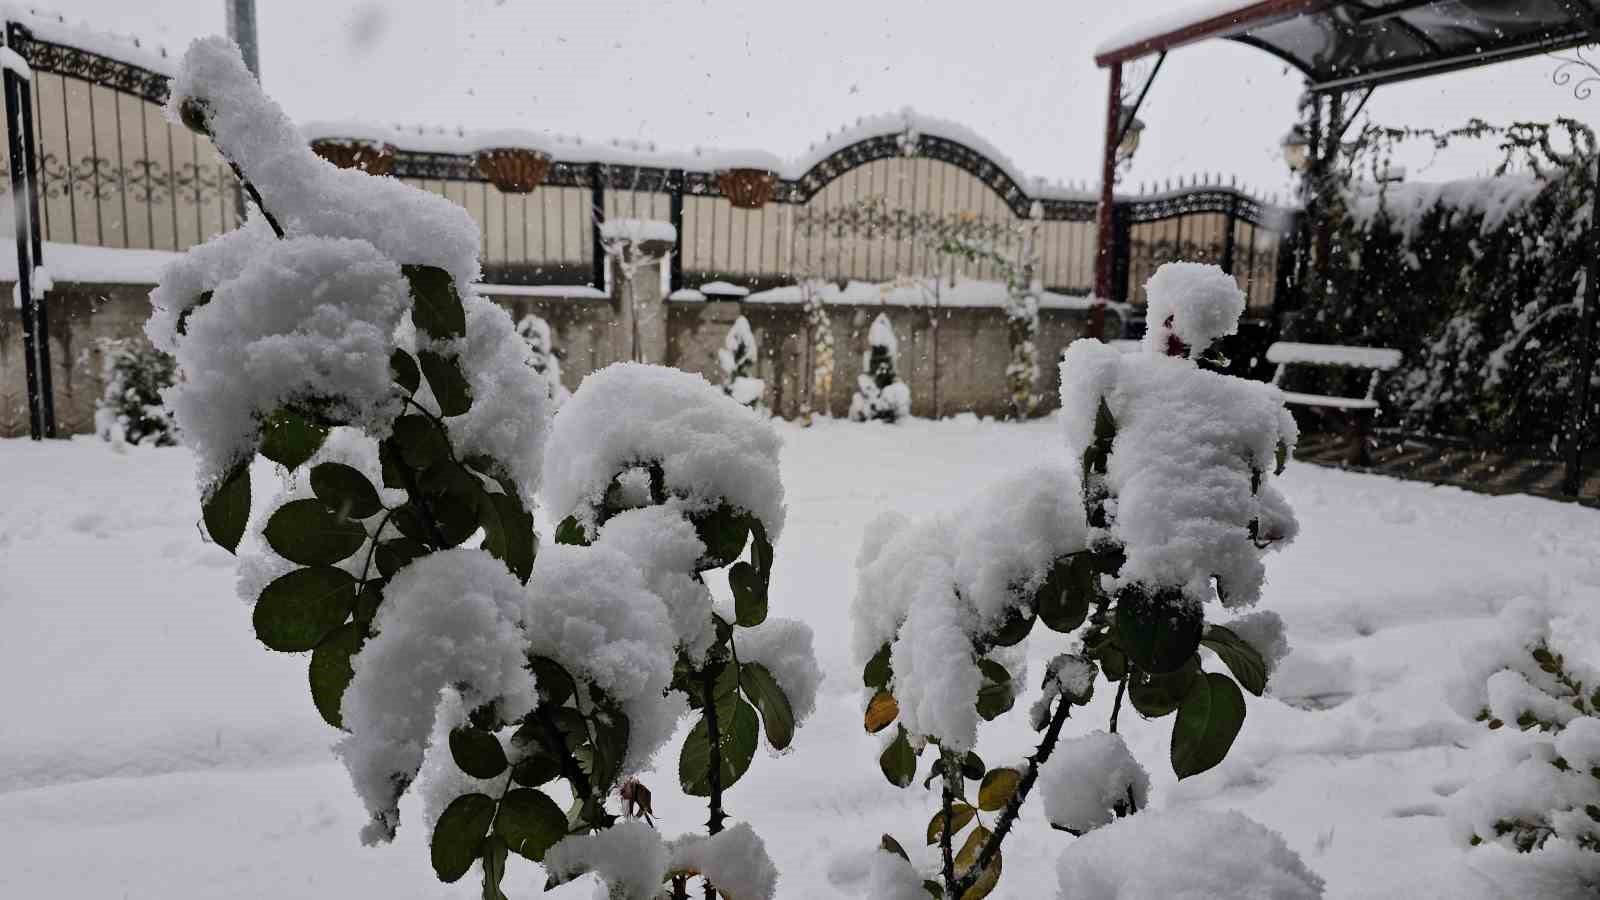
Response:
column 1378, row 359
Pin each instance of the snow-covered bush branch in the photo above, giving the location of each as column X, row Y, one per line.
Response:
column 737, row 359
column 129, row 410
column 340, row 337
column 542, row 356
column 1168, row 509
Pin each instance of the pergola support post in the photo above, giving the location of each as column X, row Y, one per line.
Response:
column 1104, row 220
column 25, row 215
column 1572, row 482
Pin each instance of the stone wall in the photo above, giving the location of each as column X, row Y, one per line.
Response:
column 953, row 359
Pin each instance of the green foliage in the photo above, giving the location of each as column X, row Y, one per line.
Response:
column 345, row 491
column 295, row 612
column 130, row 409
column 737, row 736
column 448, row 384
column 226, row 509
column 1209, row 718
column 530, row 822
column 898, row 761
column 458, row 836
column 777, row 716
column 289, row 439
column 1158, row 630
column 477, row 752
column 1243, row 660
column 330, row 671
column 306, row 532
column 436, row 308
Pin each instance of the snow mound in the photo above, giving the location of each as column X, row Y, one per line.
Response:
column 1192, row 303
column 588, row 609
column 665, row 547
column 928, row 590
column 1087, row 778
column 710, row 448
column 784, row 646
column 450, row 619
column 509, row 421
column 734, row 860
column 629, row 857
column 1184, row 855
column 1190, row 467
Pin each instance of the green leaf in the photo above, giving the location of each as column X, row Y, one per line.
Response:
column 570, row 532
column 393, row 555
column 330, row 671
column 420, row 442
column 1159, row 695
column 226, row 509
column 298, row 610
column 972, row 766
column 436, row 309
column 555, row 684
column 1282, row 458
column 749, row 594
column 459, row 834
column 898, row 761
column 183, row 317
column 289, row 440
column 454, row 497
column 1208, row 720
column 1243, row 660
column 933, row 888
column 530, row 822
column 997, row 788
column 448, row 384
column 764, row 691
column 367, row 601
column 609, row 746
column 1011, row 631
column 737, row 741
column 761, row 551
column 1158, row 631
column 723, row 531
column 508, row 533
column 344, row 490
column 1063, row 599
column 494, row 867
column 537, row 766
column 1113, row 662
column 889, row 845
column 403, row 369
column 877, row 672
column 477, row 753
column 996, row 695
column 305, row 532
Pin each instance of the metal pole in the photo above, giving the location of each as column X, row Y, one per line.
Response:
column 1572, row 483
column 242, row 30
column 19, row 198
column 41, row 313
column 1103, row 219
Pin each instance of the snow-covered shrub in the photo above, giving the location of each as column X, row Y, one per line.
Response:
column 1188, row 853
column 542, row 356
column 1479, row 283
column 880, row 394
column 130, row 410
column 738, row 361
column 1167, row 508
column 821, row 330
column 1541, row 673
column 338, row 335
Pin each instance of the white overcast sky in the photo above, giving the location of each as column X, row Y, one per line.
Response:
column 747, row 73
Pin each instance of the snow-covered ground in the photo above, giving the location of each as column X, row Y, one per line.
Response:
column 150, row 748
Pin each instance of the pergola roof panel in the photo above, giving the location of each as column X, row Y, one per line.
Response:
column 1343, row 43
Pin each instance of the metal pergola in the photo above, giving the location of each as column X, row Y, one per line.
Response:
column 1358, row 45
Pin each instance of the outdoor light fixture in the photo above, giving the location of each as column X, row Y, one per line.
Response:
column 1131, row 127
column 1296, row 149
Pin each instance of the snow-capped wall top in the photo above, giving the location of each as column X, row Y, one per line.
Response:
column 963, row 293
column 638, row 231
column 1407, row 203
column 123, row 47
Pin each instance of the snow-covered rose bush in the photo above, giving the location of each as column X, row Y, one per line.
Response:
column 737, row 359
column 1165, row 512
column 880, row 394
column 1537, row 685
column 337, row 334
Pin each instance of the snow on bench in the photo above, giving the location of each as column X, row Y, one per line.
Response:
column 1378, row 359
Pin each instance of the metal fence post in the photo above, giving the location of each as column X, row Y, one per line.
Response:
column 1121, row 251
column 597, row 200
column 675, row 212
column 35, row 322
column 1231, row 218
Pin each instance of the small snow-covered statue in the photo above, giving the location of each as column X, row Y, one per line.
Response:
column 880, row 394
column 738, row 360
column 542, row 356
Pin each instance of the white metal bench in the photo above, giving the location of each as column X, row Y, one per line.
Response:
column 1359, row 410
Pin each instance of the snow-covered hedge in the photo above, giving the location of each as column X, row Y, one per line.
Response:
column 518, row 690
column 1480, row 284
column 130, row 410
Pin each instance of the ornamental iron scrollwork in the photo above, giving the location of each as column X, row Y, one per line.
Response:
column 1573, row 68
column 143, row 180
column 75, row 62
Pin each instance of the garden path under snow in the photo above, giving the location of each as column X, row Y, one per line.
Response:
column 150, row 748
